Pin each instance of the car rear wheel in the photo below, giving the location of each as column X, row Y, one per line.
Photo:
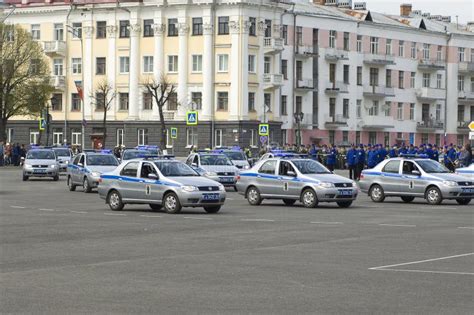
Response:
column 309, row 198
column 433, row 196
column 253, row 196
column 376, row 193
column 171, row 203
column 344, row 204
column 408, row 198
column 115, row 201
column 464, row 201
column 212, row 209
column 25, row 178
column 71, row 186
column 289, row 202
column 86, row 186
column 155, row 206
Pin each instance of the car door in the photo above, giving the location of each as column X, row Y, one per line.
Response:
column 78, row 171
column 267, row 180
column 150, row 191
column 390, row 177
column 129, row 184
column 288, row 186
column 411, row 184
column 73, row 168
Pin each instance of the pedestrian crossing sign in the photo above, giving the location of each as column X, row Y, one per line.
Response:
column 192, row 118
column 263, row 130
column 174, row 133
column 42, row 124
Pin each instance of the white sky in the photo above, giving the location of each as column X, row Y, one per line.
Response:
column 464, row 9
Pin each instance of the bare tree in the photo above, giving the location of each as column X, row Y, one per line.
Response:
column 102, row 97
column 161, row 91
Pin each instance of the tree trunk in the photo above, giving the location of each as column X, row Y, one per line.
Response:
column 163, row 129
column 3, row 130
column 104, row 127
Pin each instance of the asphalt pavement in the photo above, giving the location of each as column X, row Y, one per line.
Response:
column 65, row 252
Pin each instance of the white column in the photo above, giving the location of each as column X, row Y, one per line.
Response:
column 158, row 57
column 260, row 62
column 207, row 71
column 111, row 62
column 88, row 64
column 183, row 98
column 134, row 91
column 235, row 68
column 244, row 110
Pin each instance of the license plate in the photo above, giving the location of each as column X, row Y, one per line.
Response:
column 345, row 192
column 210, row 197
column 468, row 190
column 39, row 171
column 226, row 179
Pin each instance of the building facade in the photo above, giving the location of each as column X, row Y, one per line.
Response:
column 318, row 73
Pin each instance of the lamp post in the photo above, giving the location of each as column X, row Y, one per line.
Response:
column 298, row 118
column 48, row 119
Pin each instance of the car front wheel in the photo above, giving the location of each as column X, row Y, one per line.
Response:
column 309, row 198
column 171, row 203
column 115, row 201
column 25, row 178
column 70, row 185
column 253, row 196
column 377, row 194
column 464, row 201
column 433, row 196
column 86, row 186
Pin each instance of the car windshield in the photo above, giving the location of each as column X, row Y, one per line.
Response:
column 133, row 154
column 104, row 160
column 215, row 159
column 310, row 167
column 175, row 169
column 430, row 166
column 62, row 152
column 235, row 155
column 41, row 155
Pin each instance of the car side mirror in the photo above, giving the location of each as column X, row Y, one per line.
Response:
column 80, row 164
column 291, row 173
column 416, row 172
column 152, row 176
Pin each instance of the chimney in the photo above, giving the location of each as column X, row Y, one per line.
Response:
column 405, row 9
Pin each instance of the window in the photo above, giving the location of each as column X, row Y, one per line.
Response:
column 357, row 137
column 148, row 28
column 101, row 29
column 222, row 100
column 58, row 66
column 332, row 107
column 172, row 27
column 123, row 101
column 173, row 63
column 284, row 68
column 34, row 137
column 268, row 28
column 424, row 138
column 388, row 78
column 99, row 101
column 76, row 136
column 374, row 109
column 346, row 41
column 346, row 74
column 299, row 35
column 437, row 112
column 124, row 64
column 439, row 53
column 332, row 72
column 75, row 102
column 400, row 111
column 332, row 136
column 438, row 139
column 461, row 54
column 412, row 79
column 359, row 43
column 359, row 108
column 100, row 65
column 252, row 65
column 147, row 101
column 266, row 65
column 147, row 64
column 412, row 111
column 299, row 103
column 388, row 47
column 268, row 167
column 461, row 113
column 76, row 65
column 76, row 30
column 426, row 51
column 191, row 137
column 426, row 80
column 372, row 137
column 196, row 98
column 374, row 45
column 252, row 26
column 253, row 137
column 35, row 32
column 223, row 25
column 345, row 136
column 439, row 81
column 197, row 63
column 401, row 80
column 57, row 136
column 58, row 31
column 345, row 108
column 283, row 104
column 284, row 34
column 222, row 63
column 173, row 101
column 124, row 29
column 57, row 102
column 460, row 83
column 34, row 66
column 392, row 167
column 218, row 137
column 359, row 75
column 197, row 26
column 143, row 136
column 131, row 169
column 472, row 82
column 401, row 48
column 332, row 39
column 299, row 70
column 251, row 104
column 387, row 108
column 374, row 76
column 413, row 50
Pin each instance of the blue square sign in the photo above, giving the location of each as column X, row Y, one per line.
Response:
column 192, row 118
column 263, row 130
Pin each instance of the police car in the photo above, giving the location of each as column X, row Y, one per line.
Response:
column 40, row 162
column 86, row 168
column 413, row 176
column 236, row 155
column 129, row 154
column 281, row 153
column 160, row 182
column 153, row 149
column 295, row 179
column 466, row 171
column 218, row 167
column 64, row 155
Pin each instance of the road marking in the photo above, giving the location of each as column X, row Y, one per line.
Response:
column 17, row 207
column 326, row 223
column 400, row 225
column 257, row 220
column 120, row 214
column 77, row 211
column 420, row 261
column 197, row 218
column 428, row 271
column 151, row 216
column 466, row 227
column 44, row 209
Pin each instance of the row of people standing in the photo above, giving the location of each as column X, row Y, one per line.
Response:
column 11, row 153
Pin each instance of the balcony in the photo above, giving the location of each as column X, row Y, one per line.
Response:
column 272, row 45
column 431, row 65
column 377, row 122
column 168, row 115
column 336, row 87
column 378, row 91
column 463, row 126
column 335, row 121
column 336, row 54
column 272, row 81
column 305, row 85
column 306, row 51
column 429, row 125
column 379, row 60
column 58, row 81
column 56, row 47
column 466, row 97
column 466, row 67
column 430, row 94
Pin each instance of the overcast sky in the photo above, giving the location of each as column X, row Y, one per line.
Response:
column 464, row 9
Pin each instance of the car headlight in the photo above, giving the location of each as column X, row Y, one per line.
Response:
column 450, row 183
column 246, row 167
column 95, row 174
column 28, row 166
column 189, row 188
column 221, row 188
column 210, row 174
column 67, row 162
column 53, row 166
column 326, row 185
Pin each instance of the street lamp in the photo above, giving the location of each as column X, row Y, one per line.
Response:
column 298, row 119
column 49, row 118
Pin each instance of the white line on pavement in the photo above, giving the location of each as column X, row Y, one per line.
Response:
column 421, row 261
column 326, row 223
column 427, row 271
column 44, row 209
column 400, row 225
column 17, row 207
column 120, row 214
column 77, row 211
column 197, row 218
column 466, row 227
column 151, row 216
column 257, row 220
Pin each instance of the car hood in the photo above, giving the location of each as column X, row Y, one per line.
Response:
column 331, row 178
column 240, row 162
column 192, row 181
column 101, row 168
column 41, row 162
column 220, row 168
column 447, row 176
column 64, row 158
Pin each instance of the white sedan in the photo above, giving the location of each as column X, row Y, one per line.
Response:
column 466, row 171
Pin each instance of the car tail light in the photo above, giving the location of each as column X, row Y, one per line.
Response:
column 237, row 178
column 100, row 180
column 361, row 176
